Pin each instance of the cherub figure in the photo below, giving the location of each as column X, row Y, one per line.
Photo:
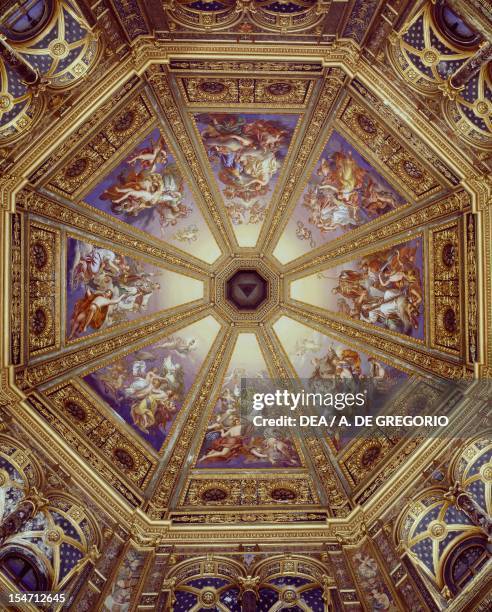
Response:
column 150, row 156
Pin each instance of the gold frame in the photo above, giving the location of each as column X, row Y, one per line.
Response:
column 150, row 56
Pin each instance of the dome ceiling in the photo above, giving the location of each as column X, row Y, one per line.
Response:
column 206, row 220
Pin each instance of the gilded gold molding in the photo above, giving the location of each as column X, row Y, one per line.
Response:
column 205, row 491
column 44, row 206
column 105, row 436
column 217, row 92
column 417, row 359
column 454, row 203
column 445, row 283
column 43, row 311
column 86, row 127
column 42, row 372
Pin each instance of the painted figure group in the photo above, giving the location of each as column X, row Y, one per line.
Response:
column 114, row 286
column 151, row 390
column 232, row 440
column 152, row 183
column 384, row 289
column 342, row 195
column 247, row 155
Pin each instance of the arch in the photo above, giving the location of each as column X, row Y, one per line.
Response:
column 27, row 19
column 426, row 53
column 78, row 513
column 290, row 16
column 208, row 14
column 291, row 580
column 207, row 581
column 472, row 467
column 65, row 50
column 453, row 28
column 212, row 564
column 19, row 473
column 304, row 566
column 60, row 535
column 78, row 531
column 464, row 561
column 429, row 528
column 24, row 568
column 422, row 55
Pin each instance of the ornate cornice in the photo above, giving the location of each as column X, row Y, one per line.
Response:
column 332, row 251
column 35, row 374
column 335, row 65
column 419, row 359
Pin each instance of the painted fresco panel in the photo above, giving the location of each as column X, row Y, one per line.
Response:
column 147, row 191
column 231, row 442
column 148, row 387
column 343, row 193
column 246, row 153
column 384, row 288
column 315, row 356
column 105, row 288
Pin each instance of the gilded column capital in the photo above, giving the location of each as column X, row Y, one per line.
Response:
column 249, row 583
column 454, row 492
column 94, row 554
column 327, row 584
column 449, row 90
column 446, row 593
column 25, row 510
column 38, row 501
column 168, row 584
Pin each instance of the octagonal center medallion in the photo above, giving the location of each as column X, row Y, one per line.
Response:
column 246, row 289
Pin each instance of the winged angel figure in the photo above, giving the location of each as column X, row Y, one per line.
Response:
column 150, row 182
column 247, row 156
